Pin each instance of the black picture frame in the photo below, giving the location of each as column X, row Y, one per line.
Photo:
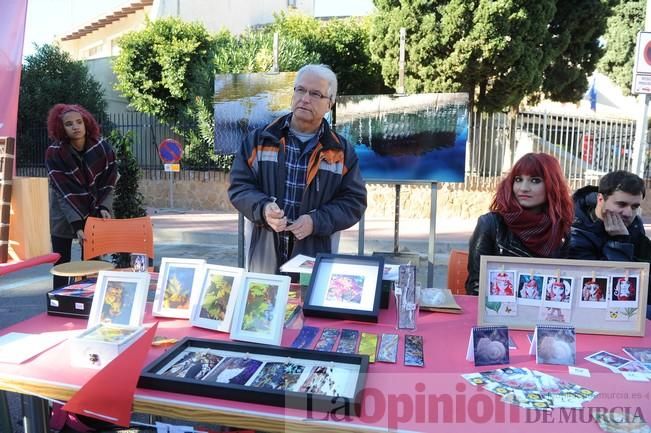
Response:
column 362, row 303
column 153, row 376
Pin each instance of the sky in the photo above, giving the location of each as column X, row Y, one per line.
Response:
column 48, row 19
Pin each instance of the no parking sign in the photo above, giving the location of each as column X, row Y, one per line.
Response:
column 170, row 151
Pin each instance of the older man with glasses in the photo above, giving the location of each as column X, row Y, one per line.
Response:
column 295, row 179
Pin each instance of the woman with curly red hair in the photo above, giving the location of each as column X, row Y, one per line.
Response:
column 530, row 216
column 82, row 173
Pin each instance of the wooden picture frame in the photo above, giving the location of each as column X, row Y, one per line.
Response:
column 252, row 322
column 346, row 287
column 177, row 287
column 572, row 304
column 218, row 293
column 241, row 372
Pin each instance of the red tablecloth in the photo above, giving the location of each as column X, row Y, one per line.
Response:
column 434, row 398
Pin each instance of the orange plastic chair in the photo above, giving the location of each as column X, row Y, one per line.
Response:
column 131, row 235
column 458, row 271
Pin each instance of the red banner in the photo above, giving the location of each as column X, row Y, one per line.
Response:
column 12, row 33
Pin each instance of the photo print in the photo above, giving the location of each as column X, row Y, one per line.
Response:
column 282, row 376
column 530, row 288
column 624, row 291
column 175, row 288
column 594, row 291
column 192, row 364
column 218, row 290
column 555, row 345
column 234, row 370
column 558, row 292
column 345, row 289
column 490, row 345
column 259, row 310
column 501, row 286
column 118, row 301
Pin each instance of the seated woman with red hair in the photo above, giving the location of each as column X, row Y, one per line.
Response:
column 531, row 215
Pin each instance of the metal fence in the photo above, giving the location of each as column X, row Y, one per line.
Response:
column 586, row 147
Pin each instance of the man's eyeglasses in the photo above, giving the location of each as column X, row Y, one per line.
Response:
column 314, row 94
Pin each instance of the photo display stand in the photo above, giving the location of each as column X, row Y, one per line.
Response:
column 596, row 297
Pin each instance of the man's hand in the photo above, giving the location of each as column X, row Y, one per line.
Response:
column 302, row 227
column 275, row 217
column 105, row 214
column 614, row 224
column 80, row 236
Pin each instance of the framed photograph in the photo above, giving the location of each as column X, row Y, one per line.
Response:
column 594, row 297
column 252, row 373
column 218, row 292
column 260, row 313
column 345, row 287
column 119, row 299
column 177, row 288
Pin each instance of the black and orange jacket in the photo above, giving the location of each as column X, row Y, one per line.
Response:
column 334, row 194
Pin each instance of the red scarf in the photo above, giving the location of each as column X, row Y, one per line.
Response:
column 535, row 230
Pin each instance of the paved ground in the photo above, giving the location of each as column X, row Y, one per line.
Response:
column 213, row 236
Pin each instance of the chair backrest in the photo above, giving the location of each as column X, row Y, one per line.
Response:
column 131, row 235
column 458, row 271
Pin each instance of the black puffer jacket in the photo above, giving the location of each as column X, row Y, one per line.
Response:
column 492, row 237
column 590, row 241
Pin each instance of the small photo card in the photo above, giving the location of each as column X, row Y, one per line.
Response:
column 501, row 286
column 305, row 337
column 388, row 350
column 368, row 345
column 530, row 288
column 642, row 354
column 594, row 291
column 488, row 345
column 624, row 292
column 414, row 356
column 607, row 359
column 558, row 292
column 554, row 344
column 327, row 341
column 348, row 341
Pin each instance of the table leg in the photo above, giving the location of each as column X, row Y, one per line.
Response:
column 35, row 418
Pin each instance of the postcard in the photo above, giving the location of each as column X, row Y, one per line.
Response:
column 282, row 376
column 624, row 291
column 325, row 380
column 558, row 292
column 299, row 264
column 234, row 370
column 607, row 359
column 192, row 364
column 642, row 354
column 118, row 302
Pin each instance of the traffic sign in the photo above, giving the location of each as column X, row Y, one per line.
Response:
column 642, row 68
column 170, row 151
column 172, row 168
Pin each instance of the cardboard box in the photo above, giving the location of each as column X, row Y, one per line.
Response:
column 74, row 300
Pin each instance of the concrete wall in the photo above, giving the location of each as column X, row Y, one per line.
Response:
column 208, row 191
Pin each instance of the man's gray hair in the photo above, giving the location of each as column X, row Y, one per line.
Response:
column 323, row 71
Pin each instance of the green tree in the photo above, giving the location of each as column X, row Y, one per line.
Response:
column 576, row 47
column 163, row 68
column 50, row 76
column 335, row 42
column 497, row 51
column 128, row 201
column 625, row 22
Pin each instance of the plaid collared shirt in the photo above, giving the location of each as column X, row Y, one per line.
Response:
column 296, row 168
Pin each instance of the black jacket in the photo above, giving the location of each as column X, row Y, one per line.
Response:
column 590, row 241
column 492, row 237
column 334, row 194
